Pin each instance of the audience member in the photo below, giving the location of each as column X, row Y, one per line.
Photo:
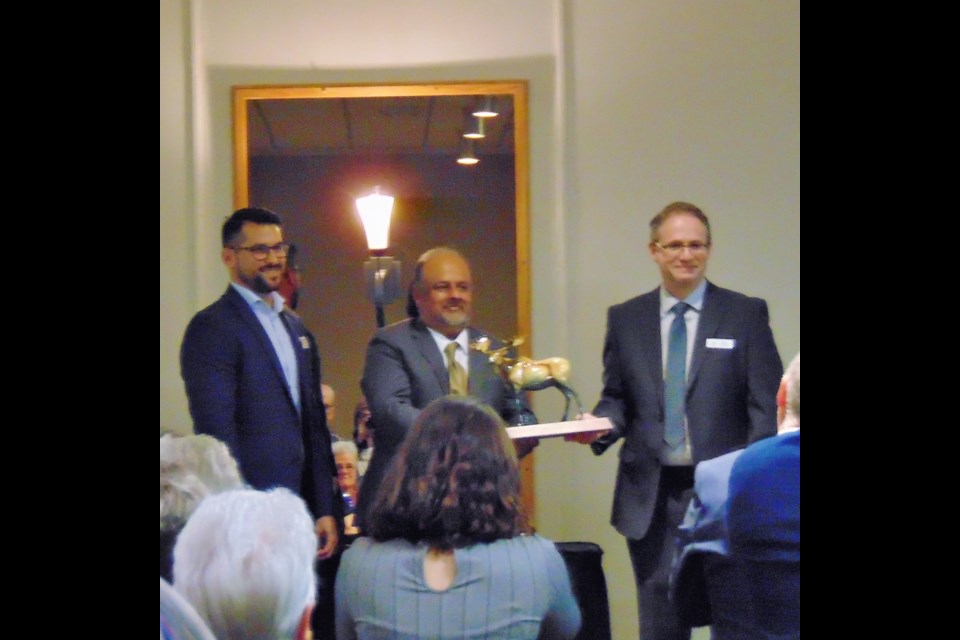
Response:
column 329, row 397
column 408, row 364
column 178, row 619
column 290, row 285
column 347, row 458
column 690, row 373
column 191, row 468
column 707, row 587
column 245, row 563
column 461, row 558
column 362, row 436
column 251, row 369
column 763, row 516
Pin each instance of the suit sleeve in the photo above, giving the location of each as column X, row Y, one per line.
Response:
column 612, row 398
column 386, row 386
column 325, row 468
column 209, row 364
column 764, row 371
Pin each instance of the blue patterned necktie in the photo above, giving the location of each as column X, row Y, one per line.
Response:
column 676, row 381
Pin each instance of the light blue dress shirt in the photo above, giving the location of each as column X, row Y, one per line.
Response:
column 681, row 454
column 280, row 338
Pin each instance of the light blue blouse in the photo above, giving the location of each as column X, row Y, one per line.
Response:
column 514, row 588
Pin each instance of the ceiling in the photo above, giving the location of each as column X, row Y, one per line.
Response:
column 431, row 125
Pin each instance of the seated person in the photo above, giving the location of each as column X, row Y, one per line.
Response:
column 191, row 468
column 706, row 586
column 362, row 435
column 329, row 397
column 245, row 562
column 178, row 619
column 461, row 558
column 763, row 515
column 347, row 459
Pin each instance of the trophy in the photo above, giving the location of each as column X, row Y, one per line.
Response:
column 526, row 374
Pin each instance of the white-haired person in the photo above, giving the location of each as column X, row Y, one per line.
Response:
column 347, row 457
column 245, row 562
column 763, row 516
column 191, row 468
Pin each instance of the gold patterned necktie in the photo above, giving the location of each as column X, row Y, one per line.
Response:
column 458, row 377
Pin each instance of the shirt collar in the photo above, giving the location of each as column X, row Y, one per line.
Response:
column 442, row 341
column 695, row 299
column 252, row 298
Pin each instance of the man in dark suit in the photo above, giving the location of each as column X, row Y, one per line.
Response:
column 732, row 371
column 406, row 365
column 252, row 374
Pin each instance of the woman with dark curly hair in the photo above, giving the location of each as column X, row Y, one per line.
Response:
column 451, row 553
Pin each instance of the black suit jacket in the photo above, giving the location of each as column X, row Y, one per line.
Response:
column 238, row 393
column 732, row 386
column 403, row 373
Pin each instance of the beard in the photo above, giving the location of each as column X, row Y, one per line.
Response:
column 455, row 318
column 260, row 284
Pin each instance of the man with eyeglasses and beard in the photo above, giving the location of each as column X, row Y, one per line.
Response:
column 252, row 375
column 691, row 372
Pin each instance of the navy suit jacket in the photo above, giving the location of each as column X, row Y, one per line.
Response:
column 403, row 373
column 732, row 385
column 238, row 393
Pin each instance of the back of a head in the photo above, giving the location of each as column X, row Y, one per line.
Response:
column 191, row 468
column 178, row 619
column 792, row 376
column 454, row 482
column 245, row 562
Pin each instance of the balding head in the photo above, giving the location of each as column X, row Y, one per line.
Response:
column 329, row 403
column 442, row 291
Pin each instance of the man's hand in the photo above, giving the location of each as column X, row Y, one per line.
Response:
column 586, row 437
column 328, row 536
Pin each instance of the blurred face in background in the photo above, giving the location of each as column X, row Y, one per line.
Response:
column 346, row 471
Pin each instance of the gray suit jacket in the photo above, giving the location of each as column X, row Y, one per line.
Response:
column 731, row 391
column 404, row 371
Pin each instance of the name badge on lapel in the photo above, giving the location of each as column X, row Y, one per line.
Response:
column 304, row 342
column 720, row 343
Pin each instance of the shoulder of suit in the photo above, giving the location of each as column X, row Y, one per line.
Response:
column 637, row 301
column 404, row 327
column 729, row 296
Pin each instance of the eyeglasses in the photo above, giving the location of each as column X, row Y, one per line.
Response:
column 262, row 251
column 676, row 248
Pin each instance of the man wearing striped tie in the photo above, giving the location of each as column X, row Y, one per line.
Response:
column 408, row 364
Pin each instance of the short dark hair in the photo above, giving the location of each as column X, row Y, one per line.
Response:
column 455, row 481
column 675, row 208
column 233, row 226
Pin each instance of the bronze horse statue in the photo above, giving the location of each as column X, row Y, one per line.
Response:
column 526, row 374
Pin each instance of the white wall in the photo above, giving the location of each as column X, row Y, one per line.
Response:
column 633, row 104
column 177, row 290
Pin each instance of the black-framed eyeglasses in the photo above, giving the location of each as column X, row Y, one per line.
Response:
column 262, row 251
column 676, row 248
